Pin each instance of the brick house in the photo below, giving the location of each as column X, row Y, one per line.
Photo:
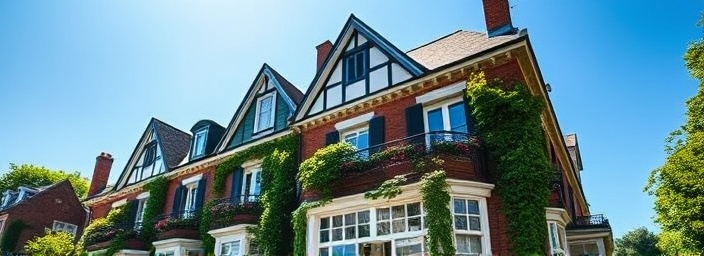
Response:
column 188, row 161
column 378, row 98
column 27, row 212
column 369, row 93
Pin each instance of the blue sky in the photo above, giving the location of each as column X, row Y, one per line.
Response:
column 81, row 77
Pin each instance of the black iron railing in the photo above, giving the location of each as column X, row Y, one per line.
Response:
column 188, row 219
column 108, row 232
column 238, row 200
column 225, row 210
column 414, row 147
column 591, row 221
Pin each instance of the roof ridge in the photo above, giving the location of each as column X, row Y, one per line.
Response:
column 433, row 41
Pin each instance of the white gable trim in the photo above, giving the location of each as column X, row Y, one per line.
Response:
column 246, row 104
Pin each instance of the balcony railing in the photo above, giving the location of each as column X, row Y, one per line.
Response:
column 244, row 209
column 590, row 222
column 99, row 237
column 413, row 148
column 180, row 219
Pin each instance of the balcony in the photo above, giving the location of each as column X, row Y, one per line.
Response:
column 459, row 153
column 183, row 224
column 233, row 211
column 102, row 236
column 597, row 221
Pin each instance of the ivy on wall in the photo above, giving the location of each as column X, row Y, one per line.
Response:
column 260, row 151
column 318, row 171
column 300, row 220
column 387, row 190
column 278, row 199
column 508, row 120
column 154, row 206
column 435, row 194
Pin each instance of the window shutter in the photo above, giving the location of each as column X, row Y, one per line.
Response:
column 236, row 192
column 376, row 133
column 468, row 113
column 415, row 123
column 132, row 215
column 332, row 138
column 200, row 193
column 178, row 201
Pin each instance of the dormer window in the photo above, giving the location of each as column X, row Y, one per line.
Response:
column 265, row 112
column 199, row 142
column 354, row 66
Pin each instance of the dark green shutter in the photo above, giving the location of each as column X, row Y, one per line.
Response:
column 332, row 138
column 415, row 123
column 236, row 192
column 200, row 193
column 178, row 201
column 376, row 133
column 468, row 114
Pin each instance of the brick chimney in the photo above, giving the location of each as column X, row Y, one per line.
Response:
column 498, row 18
column 101, row 173
column 323, row 52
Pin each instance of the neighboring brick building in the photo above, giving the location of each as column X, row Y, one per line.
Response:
column 32, row 210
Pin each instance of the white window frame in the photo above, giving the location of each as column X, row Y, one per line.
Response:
column 560, row 237
column 139, row 218
column 204, row 132
column 272, row 115
column 74, row 227
column 191, row 193
column 254, row 170
column 445, row 110
column 483, row 233
column 240, row 249
column 356, row 132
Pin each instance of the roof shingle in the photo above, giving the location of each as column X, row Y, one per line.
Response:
column 454, row 47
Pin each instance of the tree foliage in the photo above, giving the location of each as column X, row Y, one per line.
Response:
column 52, row 244
column 36, row 176
column 638, row 242
column 677, row 184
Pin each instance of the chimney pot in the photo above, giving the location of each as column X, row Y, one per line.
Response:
column 323, row 52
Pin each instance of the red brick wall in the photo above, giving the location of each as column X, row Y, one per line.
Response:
column 395, row 128
column 39, row 212
column 208, row 175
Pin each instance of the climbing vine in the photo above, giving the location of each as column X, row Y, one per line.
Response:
column 300, row 220
column 279, row 158
column 154, row 205
column 286, row 143
column 433, row 189
column 278, row 201
column 387, row 190
column 318, row 171
column 508, row 120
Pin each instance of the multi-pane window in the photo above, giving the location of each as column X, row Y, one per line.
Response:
column 167, row 253
column 265, row 113
column 354, row 66
column 149, row 153
column 400, row 218
column 252, row 185
column 410, row 246
column 359, row 138
column 230, row 248
column 191, row 191
column 139, row 218
column 556, row 235
column 199, row 142
column 468, row 227
column 65, row 227
column 447, row 117
column 345, row 227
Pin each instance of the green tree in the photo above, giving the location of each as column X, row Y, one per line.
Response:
column 36, row 176
column 677, row 184
column 638, row 242
column 51, row 244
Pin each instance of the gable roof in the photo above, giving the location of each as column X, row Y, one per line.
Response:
column 455, row 46
column 174, row 145
column 352, row 25
column 34, row 193
column 291, row 95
